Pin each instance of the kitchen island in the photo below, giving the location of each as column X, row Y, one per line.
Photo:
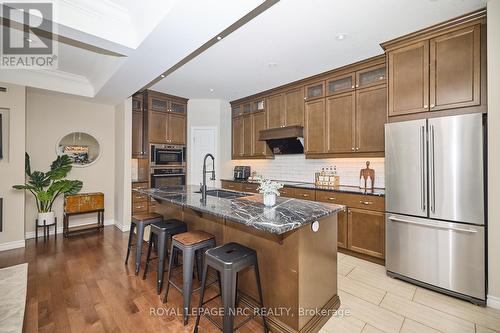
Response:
column 298, row 263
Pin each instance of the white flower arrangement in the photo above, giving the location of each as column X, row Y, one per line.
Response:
column 267, row 186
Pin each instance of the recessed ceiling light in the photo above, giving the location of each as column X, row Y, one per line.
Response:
column 219, row 37
column 340, row 36
column 162, row 76
column 211, row 89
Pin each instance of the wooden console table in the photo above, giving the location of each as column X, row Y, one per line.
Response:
column 83, row 203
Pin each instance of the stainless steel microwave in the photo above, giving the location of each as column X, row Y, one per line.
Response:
column 167, row 155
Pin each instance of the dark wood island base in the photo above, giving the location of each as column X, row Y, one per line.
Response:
column 298, row 268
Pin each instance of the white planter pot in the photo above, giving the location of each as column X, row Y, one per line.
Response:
column 269, row 199
column 49, row 218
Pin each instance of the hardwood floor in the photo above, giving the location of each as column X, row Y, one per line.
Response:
column 81, row 284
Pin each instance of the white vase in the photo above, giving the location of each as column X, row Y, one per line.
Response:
column 270, row 199
column 49, row 218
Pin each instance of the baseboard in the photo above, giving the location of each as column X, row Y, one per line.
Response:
column 12, row 245
column 121, row 227
column 31, row 234
column 493, row 302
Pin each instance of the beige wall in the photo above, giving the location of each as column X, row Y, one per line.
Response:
column 123, row 156
column 494, row 152
column 12, row 169
column 50, row 116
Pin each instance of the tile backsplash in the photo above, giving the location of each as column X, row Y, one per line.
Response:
column 298, row 168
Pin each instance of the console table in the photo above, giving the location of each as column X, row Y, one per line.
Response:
column 83, row 203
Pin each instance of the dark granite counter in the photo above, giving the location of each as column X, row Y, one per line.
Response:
column 311, row 186
column 288, row 214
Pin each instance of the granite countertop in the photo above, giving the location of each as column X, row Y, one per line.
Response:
column 288, row 214
column 311, row 186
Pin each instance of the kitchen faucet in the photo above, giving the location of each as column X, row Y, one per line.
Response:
column 203, row 188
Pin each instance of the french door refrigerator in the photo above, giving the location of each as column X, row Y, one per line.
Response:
column 435, row 204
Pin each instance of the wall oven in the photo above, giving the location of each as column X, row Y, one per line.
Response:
column 167, row 177
column 167, row 155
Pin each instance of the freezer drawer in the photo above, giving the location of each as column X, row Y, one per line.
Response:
column 446, row 255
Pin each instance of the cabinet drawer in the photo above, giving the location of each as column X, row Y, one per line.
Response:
column 287, row 192
column 250, row 188
column 138, row 197
column 140, row 207
column 304, row 194
column 369, row 202
column 232, row 186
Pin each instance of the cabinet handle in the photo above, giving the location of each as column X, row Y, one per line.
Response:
column 352, row 87
column 432, row 105
column 357, row 148
column 366, row 202
column 305, row 98
column 357, row 85
column 426, row 106
column 353, row 149
column 332, row 199
column 305, row 195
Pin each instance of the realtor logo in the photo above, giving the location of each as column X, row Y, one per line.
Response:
column 27, row 36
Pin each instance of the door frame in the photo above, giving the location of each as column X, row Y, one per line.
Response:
column 190, row 149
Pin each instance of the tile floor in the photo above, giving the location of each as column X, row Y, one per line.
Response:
column 378, row 303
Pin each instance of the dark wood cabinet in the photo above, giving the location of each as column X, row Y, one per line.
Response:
column 315, row 126
column 409, row 79
column 139, row 141
column 237, row 137
column 340, row 84
column 315, row 90
column 340, row 119
column 342, row 229
column 275, row 110
column 371, row 76
column 176, row 129
column 248, row 136
column 366, row 232
column 260, row 148
column 438, row 69
column 455, row 69
column 157, row 127
column 294, row 107
column 371, row 115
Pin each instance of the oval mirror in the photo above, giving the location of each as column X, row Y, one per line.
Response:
column 83, row 148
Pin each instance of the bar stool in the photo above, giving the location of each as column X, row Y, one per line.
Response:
column 229, row 259
column 188, row 243
column 140, row 221
column 161, row 232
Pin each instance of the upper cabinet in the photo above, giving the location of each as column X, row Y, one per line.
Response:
column 371, row 76
column 315, row 90
column 275, row 110
column 340, row 84
column 166, row 118
column 438, row 69
column 139, row 149
column 286, row 108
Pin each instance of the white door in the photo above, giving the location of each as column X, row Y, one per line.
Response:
column 203, row 141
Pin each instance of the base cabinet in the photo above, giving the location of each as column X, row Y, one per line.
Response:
column 342, row 229
column 366, row 232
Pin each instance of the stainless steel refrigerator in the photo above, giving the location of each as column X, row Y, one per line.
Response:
column 435, row 203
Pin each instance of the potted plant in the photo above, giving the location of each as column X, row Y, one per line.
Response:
column 270, row 190
column 47, row 186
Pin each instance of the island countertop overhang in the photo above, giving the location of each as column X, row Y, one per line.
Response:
column 287, row 215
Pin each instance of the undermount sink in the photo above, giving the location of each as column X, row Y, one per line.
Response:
column 224, row 194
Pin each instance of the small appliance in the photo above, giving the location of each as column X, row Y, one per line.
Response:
column 171, row 155
column 167, row 177
column 241, row 172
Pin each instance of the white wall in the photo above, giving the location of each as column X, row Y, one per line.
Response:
column 12, row 168
column 49, row 116
column 211, row 113
column 123, row 156
column 493, row 152
column 298, row 168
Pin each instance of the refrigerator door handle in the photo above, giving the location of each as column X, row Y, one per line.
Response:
column 422, row 167
column 432, row 225
column 432, row 182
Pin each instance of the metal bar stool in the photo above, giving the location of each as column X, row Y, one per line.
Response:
column 161, row 232
column 188, row 243
column 140, row 221
column 229, row 259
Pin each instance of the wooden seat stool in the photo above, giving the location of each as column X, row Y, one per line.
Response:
column 140, row 221
column 188, row 243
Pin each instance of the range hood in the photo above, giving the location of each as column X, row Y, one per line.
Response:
column 284, row 140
